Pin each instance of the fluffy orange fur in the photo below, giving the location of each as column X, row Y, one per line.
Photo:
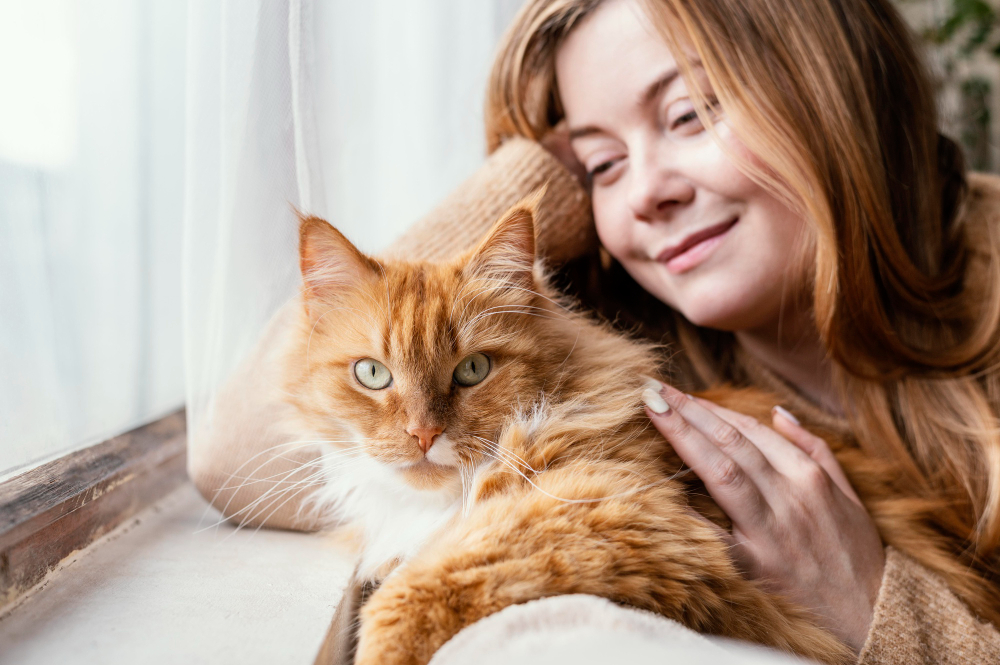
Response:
column 565, row 486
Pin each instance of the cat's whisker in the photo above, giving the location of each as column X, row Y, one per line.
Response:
column 513, row 468
column 494, row 284
column 500, row 283
column 267, row 494
column 563, row 363
column 317, row 479
column 465, row 490
column 459, row 297
column 470, row 478
column 272, row 497
column 276, row 492
column 327, row 470
column 296, row 445
column 277, row 456
column 516, row 457
column 299, row 444
column 591, row 500
column 483, row 289
column 514, row 306
column 511, row 453
column 485, row 314
column 558, row 304
column 320, row 461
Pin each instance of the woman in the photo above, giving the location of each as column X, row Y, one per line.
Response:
column 773, row 172
column 770, row 171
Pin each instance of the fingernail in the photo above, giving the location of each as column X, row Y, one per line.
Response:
column 787, row 415
column 689, row 396
column 654, row 401
column 652, row 384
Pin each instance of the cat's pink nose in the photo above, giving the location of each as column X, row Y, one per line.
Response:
column 425, row 436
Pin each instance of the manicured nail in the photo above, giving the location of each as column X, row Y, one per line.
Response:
column 652, row 384
column 689, row 396
column 780, row 410
column 654, row 401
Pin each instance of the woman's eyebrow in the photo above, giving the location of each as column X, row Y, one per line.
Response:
column 651, row 92
column 580, row 132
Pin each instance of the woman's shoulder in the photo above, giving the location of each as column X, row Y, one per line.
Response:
column 981, row 213
column 981, row 226
column 985, row 186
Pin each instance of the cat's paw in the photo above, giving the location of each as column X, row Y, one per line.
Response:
column 400, row 625
column 384, row 649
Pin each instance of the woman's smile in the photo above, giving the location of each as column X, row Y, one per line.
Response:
column 675, row 208
column 695, row 248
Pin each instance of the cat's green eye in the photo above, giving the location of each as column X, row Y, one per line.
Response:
column 372, row 374
column 472, row 370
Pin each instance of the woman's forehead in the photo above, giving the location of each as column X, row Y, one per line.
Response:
column 612, row 61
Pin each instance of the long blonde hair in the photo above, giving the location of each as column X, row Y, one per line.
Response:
column 832, row 98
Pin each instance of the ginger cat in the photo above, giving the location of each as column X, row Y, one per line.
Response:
column 490, row 443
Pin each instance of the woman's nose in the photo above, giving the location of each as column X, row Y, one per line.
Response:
column 656, row 188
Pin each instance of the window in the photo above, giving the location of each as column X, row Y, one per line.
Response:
column 91, row 205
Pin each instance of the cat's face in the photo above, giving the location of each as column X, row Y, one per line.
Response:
column 422, row 363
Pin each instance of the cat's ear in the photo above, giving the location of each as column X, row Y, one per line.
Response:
column 330, row 264
column 507, row 254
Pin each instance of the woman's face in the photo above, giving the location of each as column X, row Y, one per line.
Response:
column 669, row 202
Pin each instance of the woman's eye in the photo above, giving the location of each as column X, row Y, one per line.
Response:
column 372, row 374
column 683, row 120
column 603, row 167
column 472, row 370
column 686, row 118
column 689, row 122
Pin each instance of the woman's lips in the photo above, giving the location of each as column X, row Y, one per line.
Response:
column 694, row 249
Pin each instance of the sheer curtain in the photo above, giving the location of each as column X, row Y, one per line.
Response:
column 365, row 113
column 127, row 122
column 91, row 184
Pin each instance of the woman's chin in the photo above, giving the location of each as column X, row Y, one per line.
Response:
column 730, row 316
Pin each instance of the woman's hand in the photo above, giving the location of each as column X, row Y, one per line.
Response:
column 798, row 526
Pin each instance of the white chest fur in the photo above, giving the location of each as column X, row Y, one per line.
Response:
column 396, row 519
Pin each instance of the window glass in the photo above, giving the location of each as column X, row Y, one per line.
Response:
column 91, row 205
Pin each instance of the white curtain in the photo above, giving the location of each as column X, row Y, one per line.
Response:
column 365, row 113
column 125, row 122
column 91, row 184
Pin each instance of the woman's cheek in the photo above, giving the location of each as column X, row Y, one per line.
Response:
column 612, row 229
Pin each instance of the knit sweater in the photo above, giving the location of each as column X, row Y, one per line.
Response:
column 916, row 617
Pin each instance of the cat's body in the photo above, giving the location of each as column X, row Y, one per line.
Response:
column 544, row 477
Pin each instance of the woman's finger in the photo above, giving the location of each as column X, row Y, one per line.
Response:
column 774, row 444
column 724, row 478
column 725, row 435
column 784, row 456
column 788, row 426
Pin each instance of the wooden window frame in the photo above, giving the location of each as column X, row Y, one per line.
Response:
column 52, row 511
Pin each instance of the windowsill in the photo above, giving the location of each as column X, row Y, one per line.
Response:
column 161, row 590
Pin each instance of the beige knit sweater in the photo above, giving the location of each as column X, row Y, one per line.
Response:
column 916, row 619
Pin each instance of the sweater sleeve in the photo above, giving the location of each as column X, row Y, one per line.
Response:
column 239, row 459
column 917, row 619
column 514, row 170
